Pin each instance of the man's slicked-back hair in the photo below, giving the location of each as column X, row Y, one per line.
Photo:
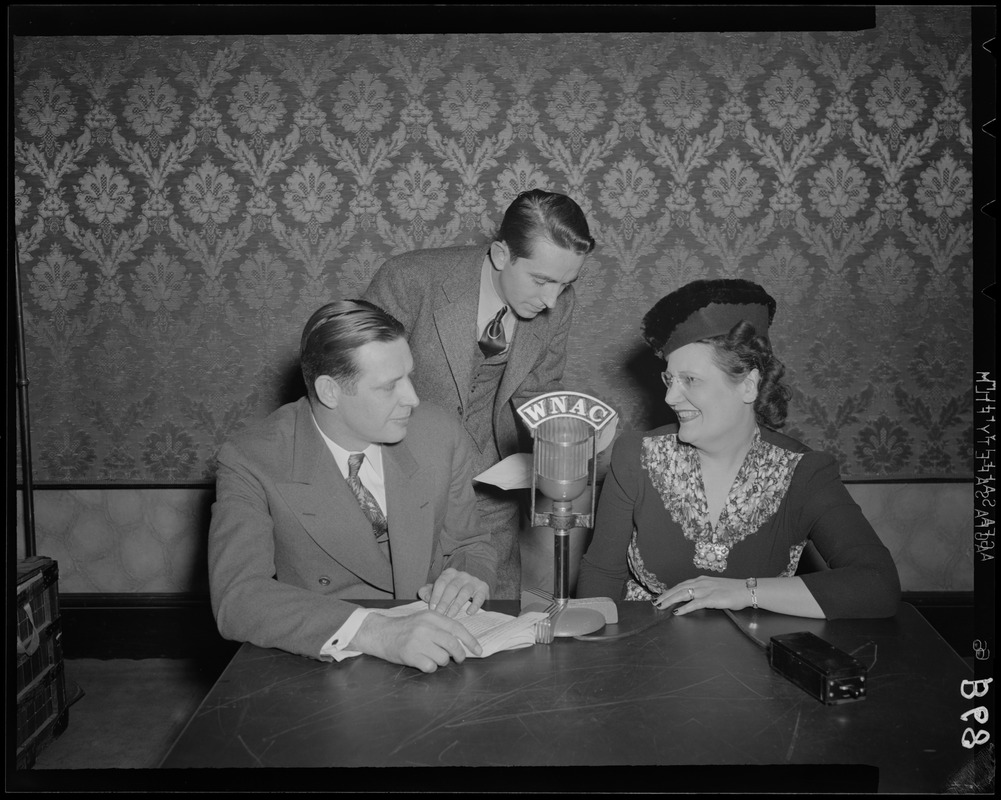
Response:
column 538, row 214
column 333, row 333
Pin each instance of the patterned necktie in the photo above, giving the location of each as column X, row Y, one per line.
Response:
column 493, row 340
column 365, row 500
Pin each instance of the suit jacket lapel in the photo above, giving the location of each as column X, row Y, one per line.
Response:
column 411, row 519
column 328, row 509
column 455, row 321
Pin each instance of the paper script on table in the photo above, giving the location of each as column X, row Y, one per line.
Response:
column 493, row 630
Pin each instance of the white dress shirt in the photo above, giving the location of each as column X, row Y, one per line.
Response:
column 491, row 303
column 371, row 475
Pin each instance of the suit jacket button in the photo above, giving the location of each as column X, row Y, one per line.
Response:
column 324, row 581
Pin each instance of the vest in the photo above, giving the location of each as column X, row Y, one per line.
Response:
column 479, row 411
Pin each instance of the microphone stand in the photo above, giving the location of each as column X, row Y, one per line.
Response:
column 569, row 616
column 579, row 616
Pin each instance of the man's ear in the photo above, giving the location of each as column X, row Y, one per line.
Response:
column 500, row 255
column 328, row 391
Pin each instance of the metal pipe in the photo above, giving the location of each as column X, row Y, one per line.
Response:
column 23, row 418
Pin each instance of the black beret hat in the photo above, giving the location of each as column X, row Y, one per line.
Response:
column 705, row 308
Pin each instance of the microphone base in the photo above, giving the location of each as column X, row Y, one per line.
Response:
column 573, row 621
column 572, row 617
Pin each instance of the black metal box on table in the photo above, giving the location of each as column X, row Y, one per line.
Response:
column 42, row 711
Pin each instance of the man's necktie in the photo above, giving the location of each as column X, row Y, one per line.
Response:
column 493, row 340
column 365, row 500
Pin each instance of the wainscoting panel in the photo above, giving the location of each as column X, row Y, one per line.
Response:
column 928, row 529
column 125, row 540
column 153, row 540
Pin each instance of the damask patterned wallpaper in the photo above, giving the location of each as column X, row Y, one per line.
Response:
column 184, row 203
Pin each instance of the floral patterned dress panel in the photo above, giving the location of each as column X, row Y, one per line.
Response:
column 761, row 484
column 644, row 585
column 794, row 555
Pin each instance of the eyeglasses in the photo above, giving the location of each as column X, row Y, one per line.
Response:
column 686, row 380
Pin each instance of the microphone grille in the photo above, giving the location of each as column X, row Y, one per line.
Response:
column 563, row 447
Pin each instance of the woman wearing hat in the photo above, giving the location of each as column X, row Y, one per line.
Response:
column 716, row 511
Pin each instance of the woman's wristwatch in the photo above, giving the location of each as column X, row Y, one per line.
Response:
column 752, row 586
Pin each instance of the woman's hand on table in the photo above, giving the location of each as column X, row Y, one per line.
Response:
column 781, row 595
column 706, row 592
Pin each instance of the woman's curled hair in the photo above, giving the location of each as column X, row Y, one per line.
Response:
column 740, row 351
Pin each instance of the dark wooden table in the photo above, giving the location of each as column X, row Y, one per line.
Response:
column 692, row 695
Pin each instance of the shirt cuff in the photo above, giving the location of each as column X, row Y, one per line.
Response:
column 336, row 646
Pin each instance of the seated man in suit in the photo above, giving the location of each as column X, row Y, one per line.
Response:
column 488, row 327
column 354, row 492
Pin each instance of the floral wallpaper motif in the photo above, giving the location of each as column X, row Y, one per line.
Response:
column 184, row 203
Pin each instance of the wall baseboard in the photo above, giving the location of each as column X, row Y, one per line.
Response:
column 109, row 626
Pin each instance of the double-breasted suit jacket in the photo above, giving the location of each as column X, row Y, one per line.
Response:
column 289, row 543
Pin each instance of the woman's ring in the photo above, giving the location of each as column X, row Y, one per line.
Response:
column 691, row 593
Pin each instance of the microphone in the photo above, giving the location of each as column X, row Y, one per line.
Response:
column 564, row 428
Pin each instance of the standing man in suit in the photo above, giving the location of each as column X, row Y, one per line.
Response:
column 354, row 492
column 488, row 329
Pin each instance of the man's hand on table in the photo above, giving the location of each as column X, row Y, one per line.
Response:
column 425, row 640
column 449, row 594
